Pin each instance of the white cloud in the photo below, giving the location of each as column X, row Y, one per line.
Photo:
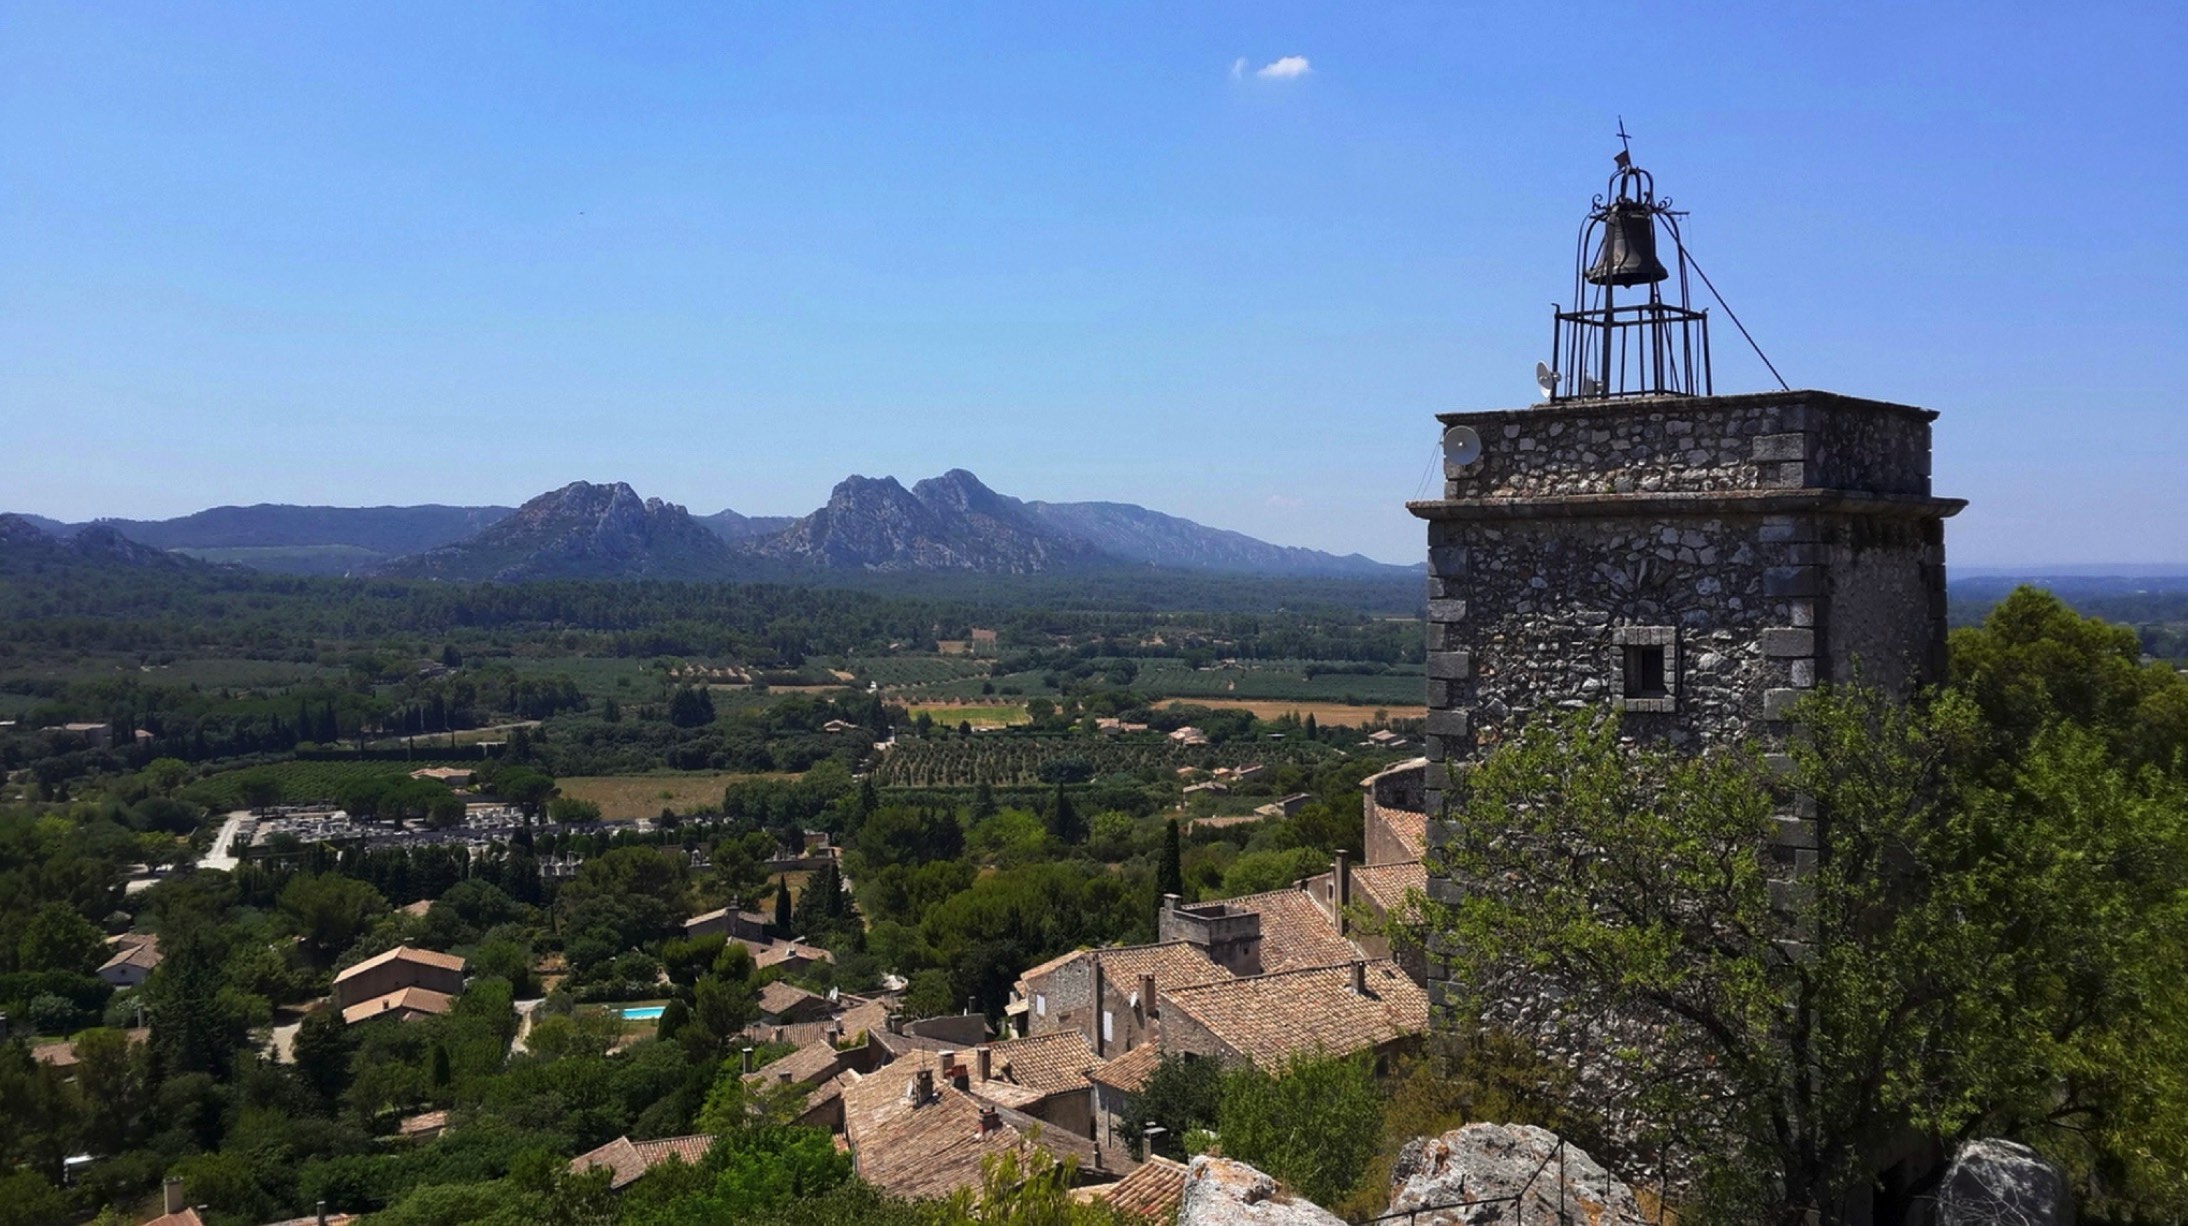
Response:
column 1285, row 69
column 1238, row 68
column 1284, row 502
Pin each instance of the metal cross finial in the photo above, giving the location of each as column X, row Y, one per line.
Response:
column 1625, row 152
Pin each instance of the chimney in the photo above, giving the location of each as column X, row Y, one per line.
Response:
column 923, row 1083
column 1147, row 995
column 783, row 1078
column 320, row 1210
column 1341, row 882
column 983, row 1063
column 171, row 1193
column 1170, row 902
column 746, row 1054
column 1359, row 977
column 990, row 1119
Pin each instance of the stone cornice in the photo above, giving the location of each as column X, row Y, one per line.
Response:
column 1715, row 502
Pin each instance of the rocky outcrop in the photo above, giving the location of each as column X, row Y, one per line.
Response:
column 946, row 523
column 581, row 531
column 1477, row 1174
column 2003, row 1181
column 1220, row 1192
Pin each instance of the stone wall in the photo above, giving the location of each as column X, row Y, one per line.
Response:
column 1761, row 544
column 1781, row 441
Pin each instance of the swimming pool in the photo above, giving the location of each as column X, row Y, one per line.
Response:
column 643, row 1013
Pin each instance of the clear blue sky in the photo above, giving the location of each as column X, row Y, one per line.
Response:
column 406, row 252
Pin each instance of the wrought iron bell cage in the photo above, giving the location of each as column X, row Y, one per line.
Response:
column 1605, row 348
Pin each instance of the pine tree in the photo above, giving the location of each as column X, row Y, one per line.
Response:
column 983, row 802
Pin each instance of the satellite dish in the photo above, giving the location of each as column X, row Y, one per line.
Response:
column 1546, row 379
column 1461, row 447
column 1590, row 387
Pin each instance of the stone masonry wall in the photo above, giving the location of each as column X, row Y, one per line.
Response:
column 1770, row 442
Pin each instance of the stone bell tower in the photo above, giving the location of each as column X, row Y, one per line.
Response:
column 1694, row 562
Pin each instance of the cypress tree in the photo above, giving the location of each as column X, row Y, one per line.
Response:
column 1170, row 875
column 782, row 906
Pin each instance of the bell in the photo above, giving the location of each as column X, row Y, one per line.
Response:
column 1628, row 253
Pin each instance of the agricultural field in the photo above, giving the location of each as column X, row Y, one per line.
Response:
column 625, row 679
column 893, row 671
column 1283, row 679
column 1328, row 714
column 630, row 797
column 1003, row 759
column 212, row 672
column 978, row 714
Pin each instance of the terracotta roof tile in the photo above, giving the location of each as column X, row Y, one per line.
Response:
column 412, row 1000
column 424, row 957
column 627, row 1160
column 1046, row 1063
column 1295, row 932
column 1410, row 827
column 1152, row 1192
column 1129, row 1071
column 1269, row 1018
column 1384, row 885
column 914, row 1147
column 809, row 1065
column 779, row 997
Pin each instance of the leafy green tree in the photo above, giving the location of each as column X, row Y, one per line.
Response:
column 330, row 912
column 260, row 790
column 58, row 939
column 2034, row 663
column 1183, row 1093
column 571, row 811
column 322, row 1050
column 1968, row 955
column 1313, row 1124
column 166, row 774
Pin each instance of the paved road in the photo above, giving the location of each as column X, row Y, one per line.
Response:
column 224, row 843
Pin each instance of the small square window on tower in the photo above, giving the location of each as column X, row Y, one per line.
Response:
column 1645, row 664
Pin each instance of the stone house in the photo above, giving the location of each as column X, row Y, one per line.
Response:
column 131, row 964
column 1108, row 995
column 396, row 970
column 737, row 925
column 1265, row 1020
column 915, row 1130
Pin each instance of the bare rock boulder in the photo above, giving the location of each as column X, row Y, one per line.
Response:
column 1220, row 1192
column 1498, row 1173
column 2003, row 1181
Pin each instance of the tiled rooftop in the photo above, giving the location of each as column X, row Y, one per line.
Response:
column 1129, row 1071
column 1045, row 1064
column 414, row 1000
column 627, row 1160
column 1151, row 1192
column 1384, row 886
column 1269, row 1018
column 423, row 957
column 907, row 1146
column 1295, row 932
column 1410, row 827
column 811, row 1064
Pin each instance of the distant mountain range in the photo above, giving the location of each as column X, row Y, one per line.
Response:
column 947, row 524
